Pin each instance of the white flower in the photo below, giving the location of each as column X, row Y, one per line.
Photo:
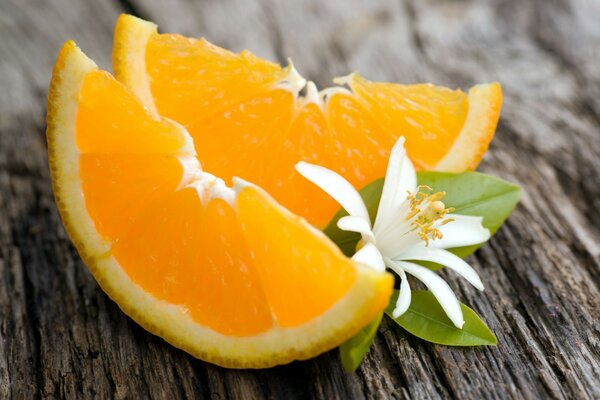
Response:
column 411, row 225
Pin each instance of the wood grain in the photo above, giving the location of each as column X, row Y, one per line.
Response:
column 61, row 337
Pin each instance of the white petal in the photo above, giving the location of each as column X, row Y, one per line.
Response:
column 397, row 238
column 439, row 288
column 357, row 224
column 399, row 178
column 404, row 296
column 465, row 230
column 336, row 186
column 370, row 256
column 443, row 257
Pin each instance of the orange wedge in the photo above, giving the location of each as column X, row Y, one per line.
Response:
column 247, row 118
column 224, row 273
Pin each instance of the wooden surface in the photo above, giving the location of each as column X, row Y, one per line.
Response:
column 61, row 337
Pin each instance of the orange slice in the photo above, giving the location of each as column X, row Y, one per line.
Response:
column 247, row 118
column 224, row 273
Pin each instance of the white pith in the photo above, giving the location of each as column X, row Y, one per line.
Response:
column 293, row 81
column 296, row 83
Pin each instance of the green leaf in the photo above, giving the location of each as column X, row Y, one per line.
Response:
column 470, row 193
column 354, row 349
column 426, row 319
column 474, row 193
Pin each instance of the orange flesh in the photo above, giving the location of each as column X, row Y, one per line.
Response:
column 346, row 116
column 129, row 125
column 247, row 131
column 200, row 260
column 275, row 264
column 239, row 269
column 306, row 132
column 223, row 79
column 243, row 126
column 429, row 117
column 119, row 186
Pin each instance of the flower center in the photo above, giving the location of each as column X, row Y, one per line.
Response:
column 427, row 213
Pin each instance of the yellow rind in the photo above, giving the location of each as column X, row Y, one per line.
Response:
column 362, row 303
column 63, row 158
column 357, row 308
column 129, row 56
column 485, row 103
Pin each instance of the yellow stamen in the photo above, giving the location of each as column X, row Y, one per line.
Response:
column 412, row 213
column 425, row 210
column 436, row 196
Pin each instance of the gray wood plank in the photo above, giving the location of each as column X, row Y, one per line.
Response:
column 63, row 338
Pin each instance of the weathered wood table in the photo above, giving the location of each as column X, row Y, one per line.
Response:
column 61, row 337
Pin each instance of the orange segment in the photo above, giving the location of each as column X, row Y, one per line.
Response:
column 244, row 126
column 277, row 264
column 469, row 147
column 227, row 275
column 209, row 271
column 138, row 179
column 235, row 295
column 198, row 84
column 428, row 116
column 346, row 116
column 220, row 77
column 307, row 131
column 131, row 129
